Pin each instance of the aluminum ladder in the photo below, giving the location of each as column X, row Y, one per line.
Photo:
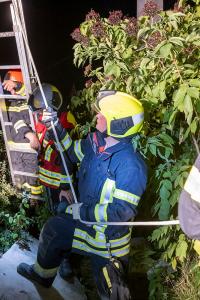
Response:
column 24, row 63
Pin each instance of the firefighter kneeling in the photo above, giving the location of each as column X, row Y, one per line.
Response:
column 112, row 179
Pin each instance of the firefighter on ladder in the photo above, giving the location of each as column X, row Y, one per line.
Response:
column 51, row 172
column 112, row 179
column 22, row 135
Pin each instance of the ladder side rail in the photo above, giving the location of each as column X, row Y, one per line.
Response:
column 21, row 52
column 22, row 43
column 19, row 10
column 22, row 58
column 3, row 108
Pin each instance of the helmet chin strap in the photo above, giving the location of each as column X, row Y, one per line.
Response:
column 104, row 134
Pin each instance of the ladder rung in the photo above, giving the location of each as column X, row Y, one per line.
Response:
column 39, row 198
column 25, row 148
column 25, row 173
column 22, row 150
column 8, row 123
column 7, row 34
column 10, row 67
column 5, row 1
column 2, row 96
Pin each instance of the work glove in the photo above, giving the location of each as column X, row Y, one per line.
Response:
column 75, row 210
column 49, row 115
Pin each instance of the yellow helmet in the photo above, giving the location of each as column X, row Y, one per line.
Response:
column 124, row 113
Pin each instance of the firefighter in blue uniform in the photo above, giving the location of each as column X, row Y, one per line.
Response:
column 112, row 179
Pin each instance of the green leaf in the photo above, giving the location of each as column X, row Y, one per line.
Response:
column 174, row 263
column 144, row 62
column 181, row 250
column 164, row 209
column 164, row 193
column 142, row 32
column 15, row 235
column 168, row 185
column 179, row 97
column 197, row 247
column 84, row 28
column 188, row 108
column 129, row 83
column 162, row 86
column 152, row 149
column 127, row 53
column 193, row 92
column 194, row 82
column 193, row 126
column 112, row 69
column 165, row 50
column 10, row 220
column 177, row 41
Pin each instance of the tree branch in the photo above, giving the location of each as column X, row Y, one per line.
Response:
column 195, row 144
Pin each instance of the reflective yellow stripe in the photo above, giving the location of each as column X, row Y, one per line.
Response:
column 126, row 196
column 107, row 278
column 48, row 151
column 21, row 91
column 34, row 189
column 65, row 178
column 50, row 181
column 37, row 190
column 19, row 124
column 192, row 184
column 49, row 173
column 44, row 143
column 44, row 273
column 20, row 145
column 84, row 247
column 69, row 210
column 100, row 211
column 66, row 142
column 101, row 243
column 18, row 108
column 77, row 149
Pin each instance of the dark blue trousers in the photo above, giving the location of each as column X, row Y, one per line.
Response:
column 55, row 244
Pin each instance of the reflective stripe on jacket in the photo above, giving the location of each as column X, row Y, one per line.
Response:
column 51, row 171
column 110, row 186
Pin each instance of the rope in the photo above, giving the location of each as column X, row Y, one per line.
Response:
column 138, row 223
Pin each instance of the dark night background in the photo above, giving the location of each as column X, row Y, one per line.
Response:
column 49, row 24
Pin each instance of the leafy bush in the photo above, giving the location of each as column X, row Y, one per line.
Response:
column 13, row 225
column 155, row 59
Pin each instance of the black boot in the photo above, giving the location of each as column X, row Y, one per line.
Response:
column 28, row 272
column 66, row 272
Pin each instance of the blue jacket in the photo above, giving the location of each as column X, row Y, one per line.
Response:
column 110, row 185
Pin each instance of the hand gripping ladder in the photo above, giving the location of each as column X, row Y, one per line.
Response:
column 24, row 64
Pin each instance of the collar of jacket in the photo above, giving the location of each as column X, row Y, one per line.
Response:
column 97, row 143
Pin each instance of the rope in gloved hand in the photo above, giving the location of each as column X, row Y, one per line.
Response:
column 59, row 147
